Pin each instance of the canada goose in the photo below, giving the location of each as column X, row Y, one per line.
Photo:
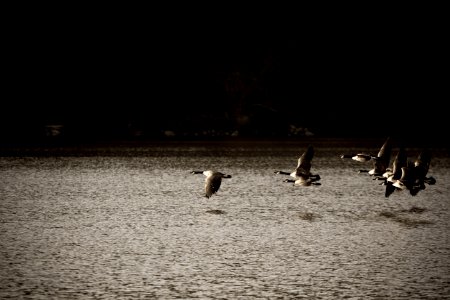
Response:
column 414, row 174
column 400, row 160
column 421, row 167
column 391, row 177
column 212, row 181
column 406, row 181
column 303, row 169
column 381, row 160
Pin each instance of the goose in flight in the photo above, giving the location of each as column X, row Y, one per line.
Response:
column 303, row 170
column 414, row 174
column 213, row 181
column 390, row 177
column 407, row 180
column 380, row 161
column 421, row 167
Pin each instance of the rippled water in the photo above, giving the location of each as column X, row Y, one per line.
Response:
column 137, row 225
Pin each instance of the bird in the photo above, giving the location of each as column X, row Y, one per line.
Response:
column 400, row 160
column 381, row 160
column 303, row 170
column 213, row 181
column 421, row 167
column 390, row 177
column 407, row 180
column 413, row 176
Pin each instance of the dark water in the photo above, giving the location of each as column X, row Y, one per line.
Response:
column 137, row 226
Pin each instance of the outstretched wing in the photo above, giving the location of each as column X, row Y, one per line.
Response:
column 383, row 158
column 400, row 161
column 304, row 162
column 386, row 149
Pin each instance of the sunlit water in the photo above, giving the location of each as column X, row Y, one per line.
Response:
column 138, row 226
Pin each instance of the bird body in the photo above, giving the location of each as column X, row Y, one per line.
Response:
column 406, row 181
column 361, row 157
column 213, row 181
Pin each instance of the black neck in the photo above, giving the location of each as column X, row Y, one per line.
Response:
column 282, row 172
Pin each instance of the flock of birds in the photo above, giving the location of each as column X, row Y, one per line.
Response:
column 403, row 175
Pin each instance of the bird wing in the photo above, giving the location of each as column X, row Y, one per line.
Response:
column 383, row 158
column 212, row 185
column 386, row 149
column 400, row 161
column 422, row 164
column 304, row 162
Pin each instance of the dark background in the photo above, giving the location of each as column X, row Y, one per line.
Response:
column 112, row 75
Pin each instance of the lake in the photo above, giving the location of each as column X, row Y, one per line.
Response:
column 131, row 222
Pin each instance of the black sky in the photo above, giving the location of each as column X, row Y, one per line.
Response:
column 109, row 71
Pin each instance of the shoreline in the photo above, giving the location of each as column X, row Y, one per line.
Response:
column 142, row 147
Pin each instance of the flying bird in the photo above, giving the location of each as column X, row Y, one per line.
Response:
column 413, row 176
column 302, row 174
column 380, row 161
column 421, row 167
column 390, row 177
column 213, row 181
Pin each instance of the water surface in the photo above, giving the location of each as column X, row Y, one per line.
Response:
column 136, row 225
